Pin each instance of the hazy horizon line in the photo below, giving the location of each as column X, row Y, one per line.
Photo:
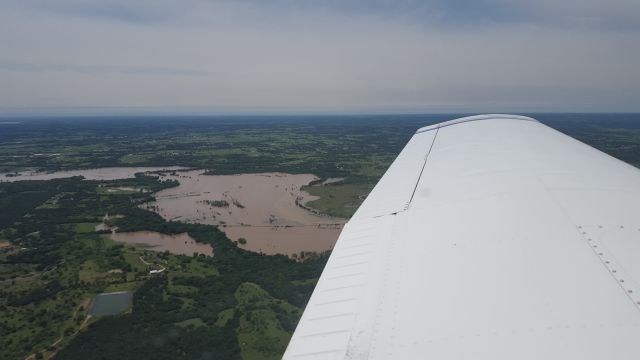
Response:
column 4, row 117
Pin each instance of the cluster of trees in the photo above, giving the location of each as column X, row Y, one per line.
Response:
column 49, row 243
column 49, row 290
column 149, row 332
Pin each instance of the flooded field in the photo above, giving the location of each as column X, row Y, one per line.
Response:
column 181, row 244
column 267, row 210
column 285, row 240
column 112, row 173
column 110, row 303
column 263, row 212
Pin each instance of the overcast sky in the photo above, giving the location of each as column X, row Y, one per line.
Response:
column 209, row 56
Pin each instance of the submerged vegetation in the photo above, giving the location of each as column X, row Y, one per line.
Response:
column 217, row 203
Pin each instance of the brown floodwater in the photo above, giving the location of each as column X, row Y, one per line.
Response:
column 181, row 244
column 110, row 173
column 261, row 208
column 285, row 240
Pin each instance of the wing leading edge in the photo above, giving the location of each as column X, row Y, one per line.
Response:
column 487, row 238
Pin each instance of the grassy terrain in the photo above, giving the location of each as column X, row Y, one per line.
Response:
column 237, row 304
column 55, row 264
column 340, row 200
column 342, row 146
column 262, row 333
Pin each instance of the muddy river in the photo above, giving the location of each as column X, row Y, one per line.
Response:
column 263, row 209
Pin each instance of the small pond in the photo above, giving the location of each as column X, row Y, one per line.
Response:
column 110, row 303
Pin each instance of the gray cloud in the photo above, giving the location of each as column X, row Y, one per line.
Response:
column 376, row 55
column 143, row 11
column 616, row 14
column 101, row 69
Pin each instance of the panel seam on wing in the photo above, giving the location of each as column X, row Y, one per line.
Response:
column 424, row 165
column 415, row 187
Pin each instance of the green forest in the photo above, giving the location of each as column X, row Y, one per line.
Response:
column 199, row 308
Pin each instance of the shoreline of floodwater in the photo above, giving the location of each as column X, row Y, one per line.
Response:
column 266, row 210
column 261, row 212
column 104, row 173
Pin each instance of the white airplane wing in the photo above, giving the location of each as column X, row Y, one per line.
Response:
column 489, row 237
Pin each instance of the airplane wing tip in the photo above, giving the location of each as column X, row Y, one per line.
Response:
column 474, row 118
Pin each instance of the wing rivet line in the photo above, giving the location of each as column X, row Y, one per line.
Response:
column 593, row 238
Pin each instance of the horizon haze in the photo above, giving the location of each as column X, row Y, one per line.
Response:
column 249, row 57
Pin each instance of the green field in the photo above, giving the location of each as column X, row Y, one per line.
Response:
column 340, row 200
column 265, row 324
